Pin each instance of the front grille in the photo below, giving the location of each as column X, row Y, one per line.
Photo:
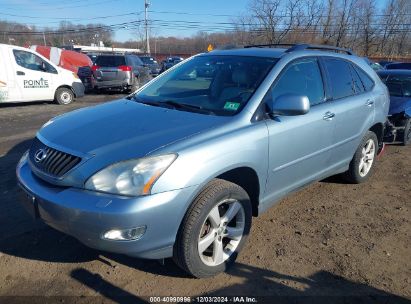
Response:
column 51, row 161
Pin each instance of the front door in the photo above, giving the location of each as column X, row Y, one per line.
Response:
column 34, row 76
column 299, row 146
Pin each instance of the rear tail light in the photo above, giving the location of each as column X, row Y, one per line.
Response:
column 124, row 68
column 95, row 68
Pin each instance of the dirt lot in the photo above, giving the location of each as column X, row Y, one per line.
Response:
column 329, row 239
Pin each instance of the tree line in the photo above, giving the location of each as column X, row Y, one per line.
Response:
column 65, row 34
column 361, row 25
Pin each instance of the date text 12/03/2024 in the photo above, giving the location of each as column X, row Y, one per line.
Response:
column 204, row 299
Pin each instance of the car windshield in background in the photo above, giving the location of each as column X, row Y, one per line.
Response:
column 110, row 61
column 147, row 60
column 399, row 85
column 399, row 66
column 219, row 85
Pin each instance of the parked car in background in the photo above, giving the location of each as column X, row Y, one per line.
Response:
column 399, row 115
column 86, row 76
column 179, row 168
column 93, row 57
column 169, row 62
column 119, row 72
column 25, row 75
column 152, row 64
column 398, row 66
column 374, row 65
column 383, row 63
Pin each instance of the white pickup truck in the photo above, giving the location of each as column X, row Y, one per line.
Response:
column 27, row 76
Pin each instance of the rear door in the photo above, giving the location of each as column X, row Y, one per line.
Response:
column 352, row 105
column 34, row 76
column 299, row 146
column 109, row 68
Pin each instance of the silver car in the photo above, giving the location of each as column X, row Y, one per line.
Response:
column 124, row 72
column 179, row 168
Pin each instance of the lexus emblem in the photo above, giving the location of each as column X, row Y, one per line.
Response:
column 40, row 155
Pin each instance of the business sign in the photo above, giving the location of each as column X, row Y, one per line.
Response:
column 36, row 84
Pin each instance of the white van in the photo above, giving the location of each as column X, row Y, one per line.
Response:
column 27, row 76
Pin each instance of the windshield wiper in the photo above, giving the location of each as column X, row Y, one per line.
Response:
column 151, row 102
column 171, row 104
column 186, row 106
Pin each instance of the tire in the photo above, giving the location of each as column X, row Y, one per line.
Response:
column 64, row 96
column 135, row 85
column 362, row 164
column 199, row 228
column 406, row 140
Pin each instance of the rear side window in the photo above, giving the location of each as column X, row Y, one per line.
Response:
column 341, row 81
column 110, row 61
column 365, row 79
column 358, row 85
column 301, row 77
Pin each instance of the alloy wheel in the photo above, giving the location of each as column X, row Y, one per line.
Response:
column 221, row 232
column 367, row 159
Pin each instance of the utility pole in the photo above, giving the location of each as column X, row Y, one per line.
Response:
column 146, row 5
column 44, row 38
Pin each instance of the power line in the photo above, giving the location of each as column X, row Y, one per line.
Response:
column 65, row 7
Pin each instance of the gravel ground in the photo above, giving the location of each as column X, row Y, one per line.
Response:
column 330, row 239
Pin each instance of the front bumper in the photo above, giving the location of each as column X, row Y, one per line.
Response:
column 86, row 215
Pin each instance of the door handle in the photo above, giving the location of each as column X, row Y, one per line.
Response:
column 369, row 103
column 20, row 73
column 328, row 116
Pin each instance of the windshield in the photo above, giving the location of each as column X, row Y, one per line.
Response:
column 220, row 85
column 147, row 60
column 399, row 85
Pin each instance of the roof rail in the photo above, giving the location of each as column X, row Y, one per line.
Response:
column 272, row 45
column 300, row 47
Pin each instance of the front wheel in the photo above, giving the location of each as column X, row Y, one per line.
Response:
column 214, row 229
column 64, row 96
column 363, row 162
column 407, row 133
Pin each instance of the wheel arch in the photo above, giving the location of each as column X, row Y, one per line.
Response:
column 378, row 129
column 67, row 87
column 247, row 179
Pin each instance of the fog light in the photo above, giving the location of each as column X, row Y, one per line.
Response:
column 125, row 234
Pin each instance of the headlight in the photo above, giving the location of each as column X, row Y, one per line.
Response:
column 132, row 177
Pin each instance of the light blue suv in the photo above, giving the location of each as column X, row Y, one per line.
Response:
column 179, row 168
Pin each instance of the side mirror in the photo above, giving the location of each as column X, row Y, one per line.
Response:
column 289, row 105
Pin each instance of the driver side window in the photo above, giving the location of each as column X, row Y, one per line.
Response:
column 301, row 77
column 33, row 62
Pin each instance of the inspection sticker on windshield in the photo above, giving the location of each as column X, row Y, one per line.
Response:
column 232, row 106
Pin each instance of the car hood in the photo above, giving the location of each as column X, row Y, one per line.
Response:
column 123, row 129
column 399, row 104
